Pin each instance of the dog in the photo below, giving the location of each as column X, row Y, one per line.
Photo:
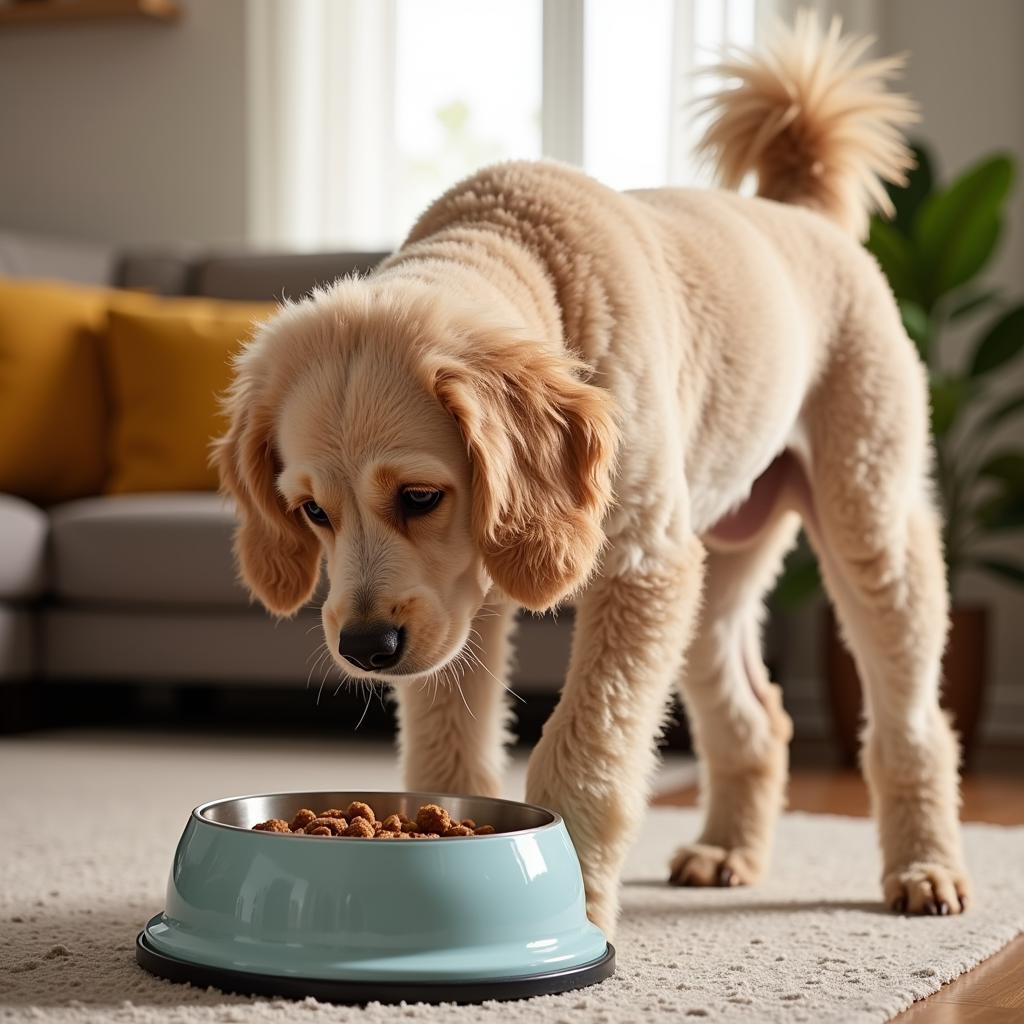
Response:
column 553, row 390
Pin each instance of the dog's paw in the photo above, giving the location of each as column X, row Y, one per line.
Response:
column 702, row 865
column 926, row 889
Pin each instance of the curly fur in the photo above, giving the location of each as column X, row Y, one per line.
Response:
column 815, row 128
column 633, row 399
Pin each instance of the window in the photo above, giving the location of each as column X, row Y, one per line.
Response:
column 467, row 93
column 366, row 110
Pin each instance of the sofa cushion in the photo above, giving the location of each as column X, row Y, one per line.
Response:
column 154, row 549
column 260, row 276
column 168, row 363
column 52, row 415
column 29, row 255
column 23, row 530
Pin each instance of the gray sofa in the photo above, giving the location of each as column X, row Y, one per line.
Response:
column 141, row 588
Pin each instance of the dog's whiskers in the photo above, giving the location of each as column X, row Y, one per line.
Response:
column 324, row 653
column 471, row 648
column 366, row 707
column 345, row 678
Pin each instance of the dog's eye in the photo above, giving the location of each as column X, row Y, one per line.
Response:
column 316, row 514
column 418, row 501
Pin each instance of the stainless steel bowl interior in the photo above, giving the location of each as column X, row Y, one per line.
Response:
column 505, row 815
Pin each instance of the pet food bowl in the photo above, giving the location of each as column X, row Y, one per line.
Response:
column 498, row 916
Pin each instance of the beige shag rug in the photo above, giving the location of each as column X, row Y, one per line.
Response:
column 90, row 824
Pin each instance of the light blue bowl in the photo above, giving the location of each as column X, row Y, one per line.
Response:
column 497, row 916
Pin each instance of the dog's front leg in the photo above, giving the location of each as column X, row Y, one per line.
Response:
column 453, row 728
column 595, row 757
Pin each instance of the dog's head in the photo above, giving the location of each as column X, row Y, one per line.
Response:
column 425, row 456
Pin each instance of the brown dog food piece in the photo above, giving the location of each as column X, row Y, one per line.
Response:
column 302, row 819
column 333, row 825
column 432, row 822
column 433, row 818
column 359, row 829
column 273, row 825
column 357, row 809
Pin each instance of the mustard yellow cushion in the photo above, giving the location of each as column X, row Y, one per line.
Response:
column 52, row 407
column 167, row 364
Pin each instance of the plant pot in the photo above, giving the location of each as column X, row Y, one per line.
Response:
column 964, row 680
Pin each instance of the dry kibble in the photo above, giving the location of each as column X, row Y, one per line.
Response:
column 357, row 809
column 433, row 818
column 360, row 821
column 302, row 819
column 273, row 825
column 359, row 829
column 336, row 826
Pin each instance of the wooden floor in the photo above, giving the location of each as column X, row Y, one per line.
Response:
column 993, row 993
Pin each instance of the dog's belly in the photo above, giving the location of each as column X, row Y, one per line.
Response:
column 782, row 486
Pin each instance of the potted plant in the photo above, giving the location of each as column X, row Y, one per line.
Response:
column 933, row 252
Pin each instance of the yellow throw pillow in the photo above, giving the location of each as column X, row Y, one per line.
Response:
column 167, row 365
column 52, row 410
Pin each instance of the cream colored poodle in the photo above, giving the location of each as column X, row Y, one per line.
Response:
column 555, row 390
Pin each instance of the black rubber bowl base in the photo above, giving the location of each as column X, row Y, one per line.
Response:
column 331, row 991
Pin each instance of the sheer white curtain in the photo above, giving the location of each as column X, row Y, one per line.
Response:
column 362, row 110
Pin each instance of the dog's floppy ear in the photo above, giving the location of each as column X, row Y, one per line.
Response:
column 542, row 444
column 278, row 559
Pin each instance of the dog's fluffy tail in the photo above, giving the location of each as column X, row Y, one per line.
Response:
column 815, row 127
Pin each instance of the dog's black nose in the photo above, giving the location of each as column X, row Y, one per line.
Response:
column 374, row 645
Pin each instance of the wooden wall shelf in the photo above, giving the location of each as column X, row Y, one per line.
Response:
column 52, row 12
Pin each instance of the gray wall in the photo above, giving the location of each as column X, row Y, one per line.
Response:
column 127, row 131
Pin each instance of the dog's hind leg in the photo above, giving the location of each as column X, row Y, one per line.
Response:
column 453, row 729
column 739, row 727
column 879, row 545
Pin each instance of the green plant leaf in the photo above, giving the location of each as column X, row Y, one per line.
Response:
column 896, row 258
column 1003, row 411
column 955, row 231
column 1003, row 341
column 1001, row 513
column 1012, row 571
column 974, row 302
column 917, row 324
column 1006, row 467
column 907, row 199
column 949, row 395
column 799, row 582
